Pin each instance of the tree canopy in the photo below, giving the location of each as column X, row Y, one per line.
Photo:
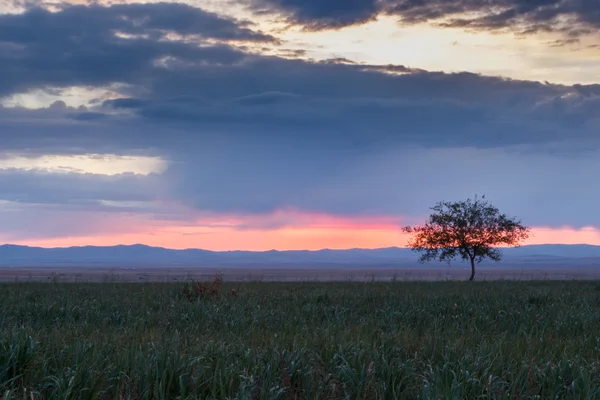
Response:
column 470, row 229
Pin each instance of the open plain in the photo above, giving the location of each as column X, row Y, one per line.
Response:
column 290, row 273
column 294, row 340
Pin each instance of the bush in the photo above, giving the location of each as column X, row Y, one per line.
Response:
column 194, row 290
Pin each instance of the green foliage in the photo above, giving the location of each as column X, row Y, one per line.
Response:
column 16, row 355
column 467, row 229
column 442, row 340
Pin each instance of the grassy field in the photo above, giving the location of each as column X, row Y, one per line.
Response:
column 438, row 340
column 295, row 273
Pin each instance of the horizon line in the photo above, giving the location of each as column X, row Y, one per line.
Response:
column 270, row 250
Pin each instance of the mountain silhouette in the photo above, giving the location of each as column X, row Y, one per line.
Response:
column 132, row 255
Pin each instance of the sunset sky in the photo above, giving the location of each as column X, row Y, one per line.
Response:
column 294, row 124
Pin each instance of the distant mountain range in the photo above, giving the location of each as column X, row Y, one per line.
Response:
column 141, row 255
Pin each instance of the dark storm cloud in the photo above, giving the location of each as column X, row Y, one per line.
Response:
column 250, row 134
column 359, row 120
column 522, row 16
column 247, row 177
column 588, row 90
column 259, row 75
column 321, row 14
column 153, row 19
column 217, row 90
column 271, row 98
column 79, row 45
column 211, row 83
column 281, row 98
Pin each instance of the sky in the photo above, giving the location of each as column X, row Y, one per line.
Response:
column 294, row 124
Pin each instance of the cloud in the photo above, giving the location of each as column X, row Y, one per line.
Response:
column 103, row 164
column 21, row 221
column 220, row 88
column 394, row 182
column 323, row 14
column 290, row 97
column 76, row 189
column 272, row 98
column 155, row 20
column 97, row 45
column 246, row 134
column 570, row 17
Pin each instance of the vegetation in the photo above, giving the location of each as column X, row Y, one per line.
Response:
column 467, row 229
column 442, row 340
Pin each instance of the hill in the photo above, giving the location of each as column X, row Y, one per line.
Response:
column 121, row 255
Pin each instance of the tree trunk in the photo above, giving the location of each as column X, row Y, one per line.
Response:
column 472, row 269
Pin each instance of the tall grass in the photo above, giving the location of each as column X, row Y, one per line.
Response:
column 443, row 340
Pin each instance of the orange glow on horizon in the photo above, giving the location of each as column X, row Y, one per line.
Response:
column 297, row 232
column 564, row 235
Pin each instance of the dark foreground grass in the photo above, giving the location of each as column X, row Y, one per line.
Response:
column 440, row 340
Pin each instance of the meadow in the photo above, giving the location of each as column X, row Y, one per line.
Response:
column 351, row 340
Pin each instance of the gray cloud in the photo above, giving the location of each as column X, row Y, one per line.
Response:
column 522, row 16
column 155, row 20
column 250, row 177
column 43, row 187
column 272, row 97
column 22, row 221
column 79, row 46
column 544, row 189
column 323, row 14
column 245, row 133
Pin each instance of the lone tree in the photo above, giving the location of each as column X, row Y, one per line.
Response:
column 467, row 229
